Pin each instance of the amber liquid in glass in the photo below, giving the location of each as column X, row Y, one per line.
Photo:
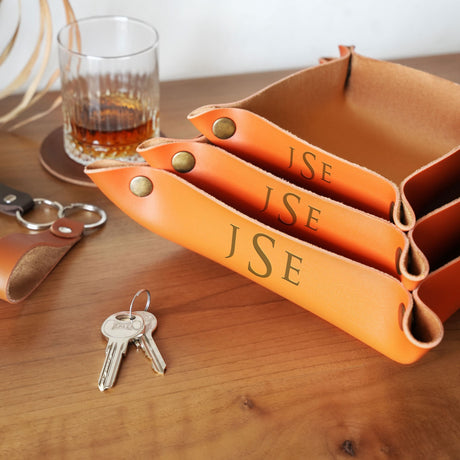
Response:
column 110, row 128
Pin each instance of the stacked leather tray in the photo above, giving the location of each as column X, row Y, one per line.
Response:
column 295, row 188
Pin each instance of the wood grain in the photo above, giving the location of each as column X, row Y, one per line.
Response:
column 250, row 375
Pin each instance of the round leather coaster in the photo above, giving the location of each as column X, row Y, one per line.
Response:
column 54, row 159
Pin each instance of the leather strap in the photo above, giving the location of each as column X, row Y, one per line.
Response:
column 28, row 258
column 12, row 200
column 368, row 304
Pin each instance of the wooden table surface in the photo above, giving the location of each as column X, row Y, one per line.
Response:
column 250, row 375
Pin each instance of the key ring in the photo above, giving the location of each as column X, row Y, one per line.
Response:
column 137, row 294
column 43, row 225
column 85, row 207
column 62, row 211
column 14, row 202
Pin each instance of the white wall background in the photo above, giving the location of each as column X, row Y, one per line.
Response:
column 212, row 37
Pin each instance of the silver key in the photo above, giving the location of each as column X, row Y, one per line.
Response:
column 147, row 343
column 119, row 329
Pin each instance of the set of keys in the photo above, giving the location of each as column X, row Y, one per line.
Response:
column 123, row 328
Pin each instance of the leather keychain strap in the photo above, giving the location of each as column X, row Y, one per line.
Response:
column 368, row 304
column 26, row 259
column 12, row 200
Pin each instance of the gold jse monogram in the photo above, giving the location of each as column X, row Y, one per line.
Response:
column 291, row 202
column 311, row 162
column 292, row 262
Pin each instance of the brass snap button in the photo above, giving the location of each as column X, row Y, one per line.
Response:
column 183, row 162
column 223, row 128
column 141, row 186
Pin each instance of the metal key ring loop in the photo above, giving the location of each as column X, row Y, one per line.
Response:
column 85, row 207
column 42, row 225
column 137, row 294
